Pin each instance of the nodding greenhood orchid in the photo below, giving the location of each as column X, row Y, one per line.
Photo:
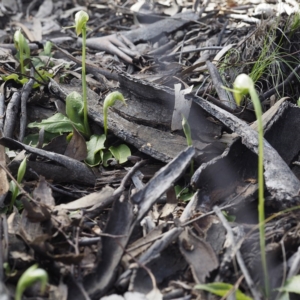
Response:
column 81, row 19
column 110, row 101
column 242, row 86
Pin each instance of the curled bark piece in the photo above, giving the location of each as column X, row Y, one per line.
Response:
column 161, row 182
column 84, row 174
column 279, row 179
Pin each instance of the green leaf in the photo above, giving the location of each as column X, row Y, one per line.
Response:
column 22, row 170
column 94, row 148
column 105, row 156
column 183, row 194
column 33, row 139
column 284, row 296
column 16, row 78
column 38, row 63
column 47, row 49
column 120, row 153
column 58, row 123
column 74, row 107
column 221, row 289
column 187, row 196
column 292, row 285
column 229, row 218
column 14, row 189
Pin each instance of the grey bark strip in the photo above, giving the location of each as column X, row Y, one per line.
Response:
column 83, row 174
column 11, row 115
column 161, row 182
column 24, row 97
column 224, row 96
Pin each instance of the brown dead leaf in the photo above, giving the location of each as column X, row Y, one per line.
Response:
column 199, row 254
column 77, row 148
column 29, row 230
column 43, row 193
column 36, row 212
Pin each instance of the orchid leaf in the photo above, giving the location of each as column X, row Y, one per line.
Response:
column 58, row 123
column 105, row 156
column 120, row 153
column 33, row 138
column 74, row 107
column 94, row 148
column 292, row 285
column 222, row 289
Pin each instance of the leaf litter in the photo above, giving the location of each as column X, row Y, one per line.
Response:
column 117, row 227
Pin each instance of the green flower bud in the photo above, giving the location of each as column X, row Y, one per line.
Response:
column 81, row 19
column 241, row 87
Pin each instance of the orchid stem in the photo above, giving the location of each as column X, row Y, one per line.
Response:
column 84, row 89
column 261, row 200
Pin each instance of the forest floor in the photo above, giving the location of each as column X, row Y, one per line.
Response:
column 167, row 203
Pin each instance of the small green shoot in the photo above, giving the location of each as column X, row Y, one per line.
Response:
column 242, row 86
column 187, row 132
column 229, row 218
column 222, row 289
column 13, row 187
column 110, row 100
column 183, row 193
column 47, row 49
column 22, row 46
column 29, row 277
column 8, row 271
column 23, row 55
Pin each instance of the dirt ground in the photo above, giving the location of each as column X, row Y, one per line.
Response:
column 167, row 202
